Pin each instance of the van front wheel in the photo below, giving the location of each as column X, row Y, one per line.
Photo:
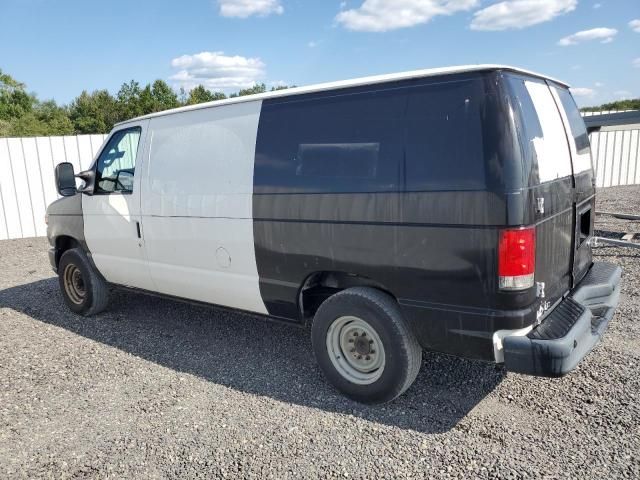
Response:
column 84, row 290
column 364, row 346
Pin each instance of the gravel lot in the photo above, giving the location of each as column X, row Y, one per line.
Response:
column 155, row 388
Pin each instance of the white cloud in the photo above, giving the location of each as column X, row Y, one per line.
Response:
column 384, row 15
column 635, row 25
column 605, row 35
column 312, row 44
column 246, row 8
column 597, row 5
column 516, row 14
column 636, row 62
column 622, row 94
column 598, row 84
column 582, row 92
column 217, row 71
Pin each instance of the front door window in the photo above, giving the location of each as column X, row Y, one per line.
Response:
column 117, row 162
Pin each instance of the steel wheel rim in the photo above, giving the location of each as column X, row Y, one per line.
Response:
column 74, row 284
column 355, row 350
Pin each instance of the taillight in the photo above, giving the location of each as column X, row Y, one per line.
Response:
column 517, row 258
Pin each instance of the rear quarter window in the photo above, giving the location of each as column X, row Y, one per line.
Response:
column 578, row 130
column 346, row 143
column 413, row 136
column 444, row 143
column 542, row 132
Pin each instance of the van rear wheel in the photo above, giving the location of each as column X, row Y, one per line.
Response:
column 84, row 290
column 363, row 345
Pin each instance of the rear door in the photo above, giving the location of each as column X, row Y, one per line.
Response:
column 583, row 179
column 549, row 186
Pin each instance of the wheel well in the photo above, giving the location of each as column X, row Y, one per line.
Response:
column 321, row 285
column 64, row 243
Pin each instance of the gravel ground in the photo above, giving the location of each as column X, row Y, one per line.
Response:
column 154, row 388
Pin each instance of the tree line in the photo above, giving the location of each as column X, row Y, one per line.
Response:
column 632, row 104
column 22, row 114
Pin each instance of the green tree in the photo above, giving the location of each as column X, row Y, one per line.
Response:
column 55, row 119
column 257, row 88
column 163, row 96
column 200, row 94
column 128, row 101
column 632, row 104
column 14, row 100
column 94, row 112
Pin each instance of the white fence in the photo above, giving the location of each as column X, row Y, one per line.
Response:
column 616, row 155
column 27, row 182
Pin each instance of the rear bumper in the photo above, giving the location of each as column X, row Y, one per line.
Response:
column 571, row 330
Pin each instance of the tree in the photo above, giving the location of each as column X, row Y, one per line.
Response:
column 94, row 112
column 200, row 94
column 257, row 88
column 163, row 96
column 14, row 100
column 22, row 114
column 633, row 104
column 54, row 118
column 129, row 101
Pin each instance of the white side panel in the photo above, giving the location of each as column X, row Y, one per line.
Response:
column 111, row 235
column 197, row 205
column 554, row 160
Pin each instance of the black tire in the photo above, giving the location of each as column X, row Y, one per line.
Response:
column 84, row 290
column 402, row 352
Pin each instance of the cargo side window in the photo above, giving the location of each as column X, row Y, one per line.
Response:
column 346, row 143
column 116, row 165
column 444, row 137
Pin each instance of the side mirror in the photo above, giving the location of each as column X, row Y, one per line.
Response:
column 65, row 179
column 89, row 178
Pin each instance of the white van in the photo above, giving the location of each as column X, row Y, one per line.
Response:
column 447, row 209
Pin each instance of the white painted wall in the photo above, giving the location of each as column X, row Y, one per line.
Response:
column 27, row 181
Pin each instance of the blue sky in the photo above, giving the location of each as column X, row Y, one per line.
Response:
column 60, row 47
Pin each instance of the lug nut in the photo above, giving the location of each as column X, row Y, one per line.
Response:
column 364, row 334
column 352, row 350
column 355, row 334
column 367, row 357
column 351, row 340
column 370, row 341
column 359, row 357
column 373, row 351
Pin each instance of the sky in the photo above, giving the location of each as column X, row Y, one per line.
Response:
column 61, row 47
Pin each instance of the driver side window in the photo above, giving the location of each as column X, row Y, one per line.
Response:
column 117, row 162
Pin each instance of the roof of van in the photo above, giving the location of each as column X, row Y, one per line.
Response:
column 345, row 84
